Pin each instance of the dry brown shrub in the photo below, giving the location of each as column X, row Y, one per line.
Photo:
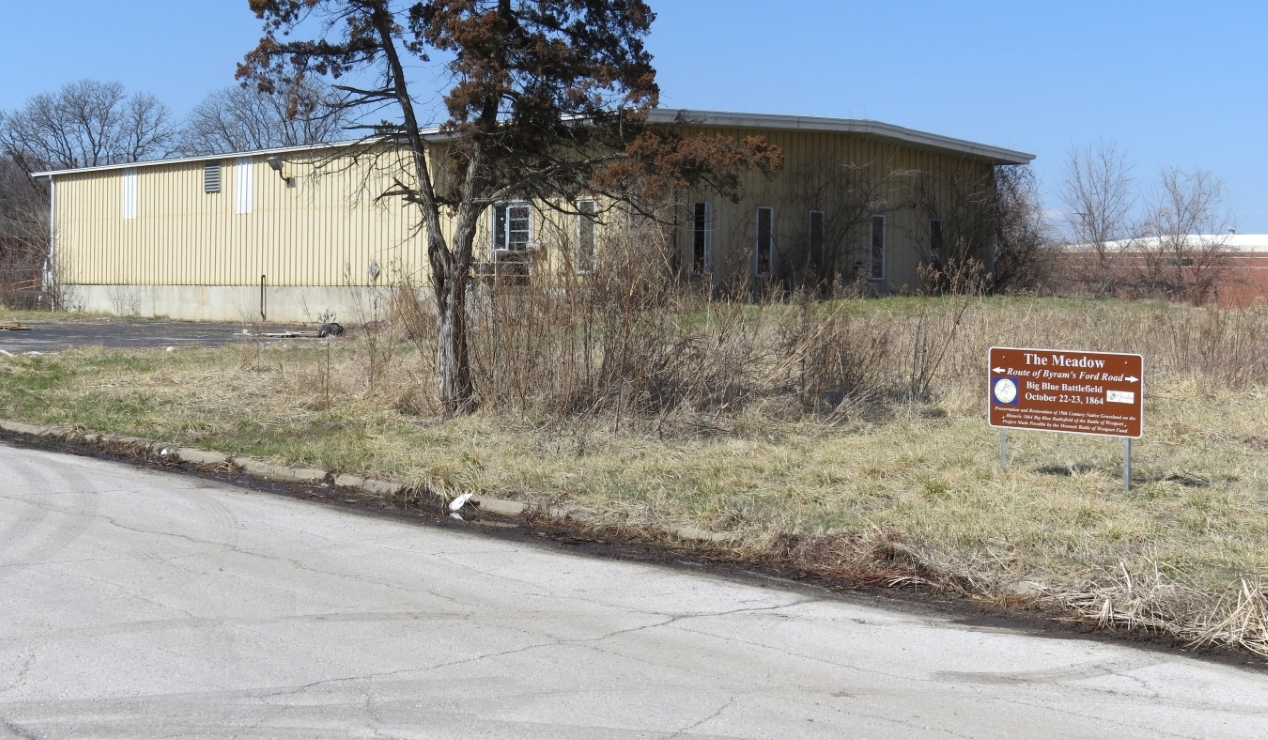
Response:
column 632, row 344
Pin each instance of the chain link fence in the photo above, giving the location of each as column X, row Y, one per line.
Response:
column 22, row 289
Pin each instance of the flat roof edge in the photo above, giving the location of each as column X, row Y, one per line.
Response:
column 838, row 125
column 862, row 126
column 348, row 144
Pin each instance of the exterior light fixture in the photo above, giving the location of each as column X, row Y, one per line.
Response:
column 275, row 163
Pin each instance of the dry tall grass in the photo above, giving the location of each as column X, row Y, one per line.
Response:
column 628, row 342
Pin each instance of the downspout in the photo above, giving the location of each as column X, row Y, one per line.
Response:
column 52, row 231
column 992, row 244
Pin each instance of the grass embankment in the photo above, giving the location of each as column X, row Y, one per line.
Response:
column 897, row 477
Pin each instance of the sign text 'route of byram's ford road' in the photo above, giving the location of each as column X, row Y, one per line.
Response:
column 1056, row 390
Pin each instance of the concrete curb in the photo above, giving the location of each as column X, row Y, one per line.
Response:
column 149, row 449
column 272, row 471
column 201, row 457
column 704, row 535
column 370, row 485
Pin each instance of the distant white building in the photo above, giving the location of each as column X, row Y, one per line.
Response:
column 1232, row 242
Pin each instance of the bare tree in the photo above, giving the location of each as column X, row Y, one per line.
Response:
column 1186, row 249
column 845, row 195
column 1100, row 196
column 23, row 233
column 1023, row 239
column 86, row 124
column 547, row 99
column 962, row 202
column 238, row 119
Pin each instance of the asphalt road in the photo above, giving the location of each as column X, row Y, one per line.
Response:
column 55, row 336
column 142, row 604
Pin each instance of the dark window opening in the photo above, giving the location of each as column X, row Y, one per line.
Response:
column 816, row 254
column 701, row 238
column 765, row 241
column 877, row 268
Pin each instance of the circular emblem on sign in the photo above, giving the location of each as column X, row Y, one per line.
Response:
column 1005, row 390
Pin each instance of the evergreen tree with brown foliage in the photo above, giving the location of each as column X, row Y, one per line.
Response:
column 547, row 99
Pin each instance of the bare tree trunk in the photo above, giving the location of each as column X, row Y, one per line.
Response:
column 450, row 270
column 453, row 362
column 450, row 264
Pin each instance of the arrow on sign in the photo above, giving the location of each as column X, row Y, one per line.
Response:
column 1132, row 378
column 997, row 369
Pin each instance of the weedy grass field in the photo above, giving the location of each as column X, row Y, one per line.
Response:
column 845, row 438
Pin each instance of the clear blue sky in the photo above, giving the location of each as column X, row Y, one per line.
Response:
column 1175, row 83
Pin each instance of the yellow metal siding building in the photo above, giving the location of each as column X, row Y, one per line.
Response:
column 232, row 238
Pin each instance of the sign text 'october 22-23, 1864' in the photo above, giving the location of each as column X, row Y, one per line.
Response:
column 1055, row 390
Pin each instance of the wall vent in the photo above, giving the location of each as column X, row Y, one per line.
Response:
column 211, row 177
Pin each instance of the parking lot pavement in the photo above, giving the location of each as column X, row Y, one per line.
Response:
column 55, row 336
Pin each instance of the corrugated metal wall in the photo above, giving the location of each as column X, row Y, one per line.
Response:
column 326, row 227
column 911, row 186
column 323, row 229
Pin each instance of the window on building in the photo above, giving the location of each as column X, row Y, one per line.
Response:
column 702, row 238
column 935, row 241
column 243, row 183
column 877, row 257
column 129, row 194
column 765, row 246
column 211, row 177
column 816, row 253
column 586, row 210
column 512, row 227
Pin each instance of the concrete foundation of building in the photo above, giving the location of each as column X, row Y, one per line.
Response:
column 249, row 304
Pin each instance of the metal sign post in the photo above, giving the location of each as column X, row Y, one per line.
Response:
column 1127, row 463
column 1071, row 391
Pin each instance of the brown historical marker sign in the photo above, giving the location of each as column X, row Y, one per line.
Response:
column 1055, row 390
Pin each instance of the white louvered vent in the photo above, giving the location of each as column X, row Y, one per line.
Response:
column 243, row 181
column 211, row 177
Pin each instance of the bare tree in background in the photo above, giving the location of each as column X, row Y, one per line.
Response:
column 1100, row 195
column 86, row 124
column 962, row 202
column 1186, row 249
column 992, row 233
column 238, row 119
column 23, row 234
column 1023, row 239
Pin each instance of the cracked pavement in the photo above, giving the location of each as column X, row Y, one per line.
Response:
column 135, row 603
